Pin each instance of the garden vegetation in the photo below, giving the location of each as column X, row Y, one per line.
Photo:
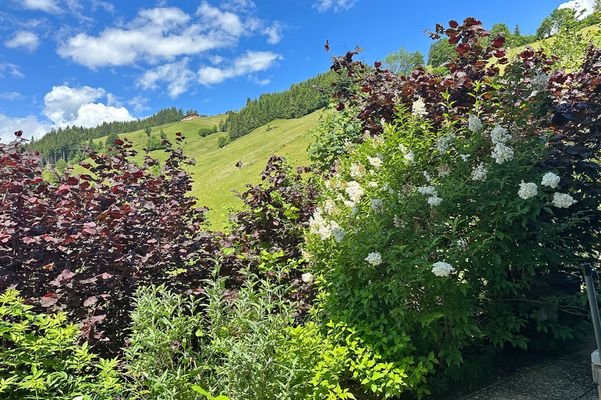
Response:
column 443, row 223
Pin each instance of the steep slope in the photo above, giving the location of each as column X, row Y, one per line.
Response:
column 216, row 177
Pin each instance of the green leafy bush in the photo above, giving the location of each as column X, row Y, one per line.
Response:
column 40, row 357
column 232, row 343
column 459, row 226
column 223, row 141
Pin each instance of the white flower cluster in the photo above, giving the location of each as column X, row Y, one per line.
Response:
column 540, row 81
column 501, row 152
column 464, row 157
column 354, row 191
column 527, row 190
column 357, row 170
column 444, row 170
column 550, row 180
column 377, row 205
column 427, row 190
column 325, row 229
column 563, row 200
column 444, row 142
column 407, row 154
column 474, row 124
column 307, row 277
column 375, row 162
column 374, row 258
column 499, row 135
column 442, row 269
column 433, row 200
column 419, row 108
column 479, row 172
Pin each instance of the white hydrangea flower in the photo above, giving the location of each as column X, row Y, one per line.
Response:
column 427, row 190
column 319, row 226
column 465, row 157
column 434, row 201
column 337, row 232
column 375, row 162
column 442, row 269
column 408, row 155
column 540, row 81
column 427, row 176
column 307, row 277
column 329, row 206
column 527, row 190
column 563, row 200
column 373, row 184
column 479, row 172
column 551, row 180
column 374, row 258
column 377, row 205
column 357, row 170
column 419, row 108
column 474, row 124
column 354, row 191
column 502, row 153
column 444, row 142
column 396, row 221
column 499, row 135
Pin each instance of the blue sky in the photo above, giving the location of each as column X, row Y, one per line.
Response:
column 82, row 62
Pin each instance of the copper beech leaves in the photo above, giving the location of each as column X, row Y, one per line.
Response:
column 85, row 243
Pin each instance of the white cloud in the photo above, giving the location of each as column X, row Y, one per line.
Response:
column 11, row 70
column 104, row 5
column 11, row 96
column 30, row 126
column 335, row 5
column 139, row 103
column 177, row 75
column 220, row 20
column 273, row 33
column 583, row 8
column 23, row 40
column 64, row 106
column 50, row 6
column 94, row 114
column 250, row 62
column 156, row 34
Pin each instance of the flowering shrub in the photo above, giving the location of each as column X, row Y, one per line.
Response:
column 461, row 222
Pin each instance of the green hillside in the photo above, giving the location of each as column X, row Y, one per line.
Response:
column 216, row 178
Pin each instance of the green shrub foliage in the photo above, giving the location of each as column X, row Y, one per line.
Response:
column 40, row 357
column 463, row 220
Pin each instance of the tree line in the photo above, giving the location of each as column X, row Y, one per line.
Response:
column 301, row 99
column 70, row 143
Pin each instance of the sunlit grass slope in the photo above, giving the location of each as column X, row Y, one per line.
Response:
column 215, row 175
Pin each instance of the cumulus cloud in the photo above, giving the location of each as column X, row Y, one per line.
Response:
column 177, row 76
column 334, row 5
column 583, row 8
column 94, row 114
column 50, row 6
column 23, row 40
column 30, row 125
column 65, row 105
column 157, row 34
column 250, row 62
